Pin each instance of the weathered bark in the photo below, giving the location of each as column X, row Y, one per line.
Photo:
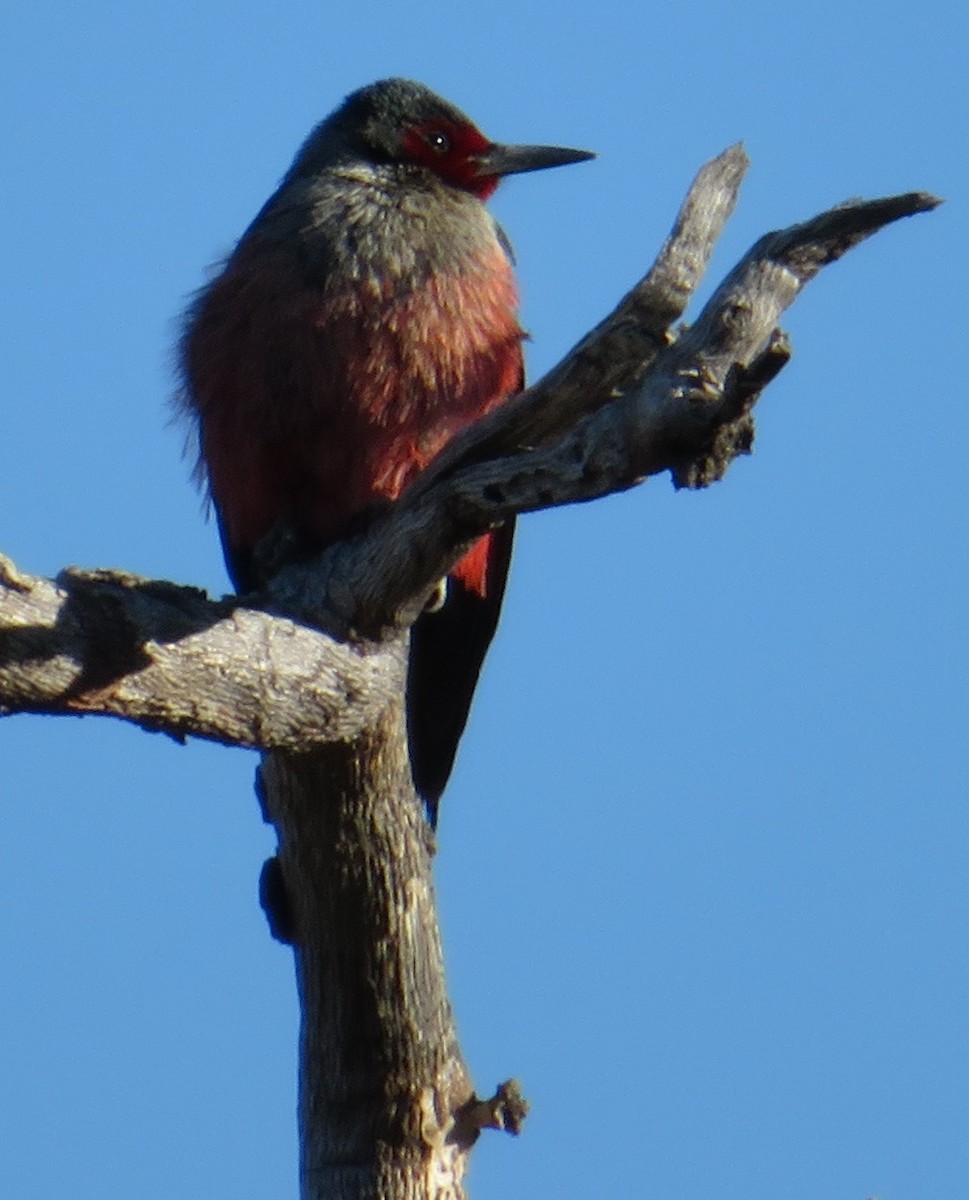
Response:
column 381, row 1072
column 168, row 658
column 312, row 673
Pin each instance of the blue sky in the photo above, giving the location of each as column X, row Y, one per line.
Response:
column 703, row 868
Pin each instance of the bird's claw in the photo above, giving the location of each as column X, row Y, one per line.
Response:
column 699, row 385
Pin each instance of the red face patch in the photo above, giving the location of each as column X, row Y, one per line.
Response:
column 450, row 150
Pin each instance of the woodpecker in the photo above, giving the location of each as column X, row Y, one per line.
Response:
column 367, row 315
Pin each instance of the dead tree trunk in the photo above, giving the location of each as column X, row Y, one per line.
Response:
column 313, row 673
column 381, row 1072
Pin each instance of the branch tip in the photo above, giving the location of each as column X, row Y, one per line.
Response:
column 12, row 577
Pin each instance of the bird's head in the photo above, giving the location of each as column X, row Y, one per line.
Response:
column 398, row 121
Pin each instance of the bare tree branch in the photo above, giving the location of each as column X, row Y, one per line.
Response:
column 686, row 412
column 167, row 658
column 629, row 401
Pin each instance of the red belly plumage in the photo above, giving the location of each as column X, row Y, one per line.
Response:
column 337, row 402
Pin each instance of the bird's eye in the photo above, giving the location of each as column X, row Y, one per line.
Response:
column 439, row 142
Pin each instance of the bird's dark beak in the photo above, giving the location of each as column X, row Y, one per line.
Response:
column 512, row 160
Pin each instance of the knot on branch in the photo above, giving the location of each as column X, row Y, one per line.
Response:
column 506, row 1111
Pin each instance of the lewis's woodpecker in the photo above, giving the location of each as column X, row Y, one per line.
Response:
column 367, row 314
